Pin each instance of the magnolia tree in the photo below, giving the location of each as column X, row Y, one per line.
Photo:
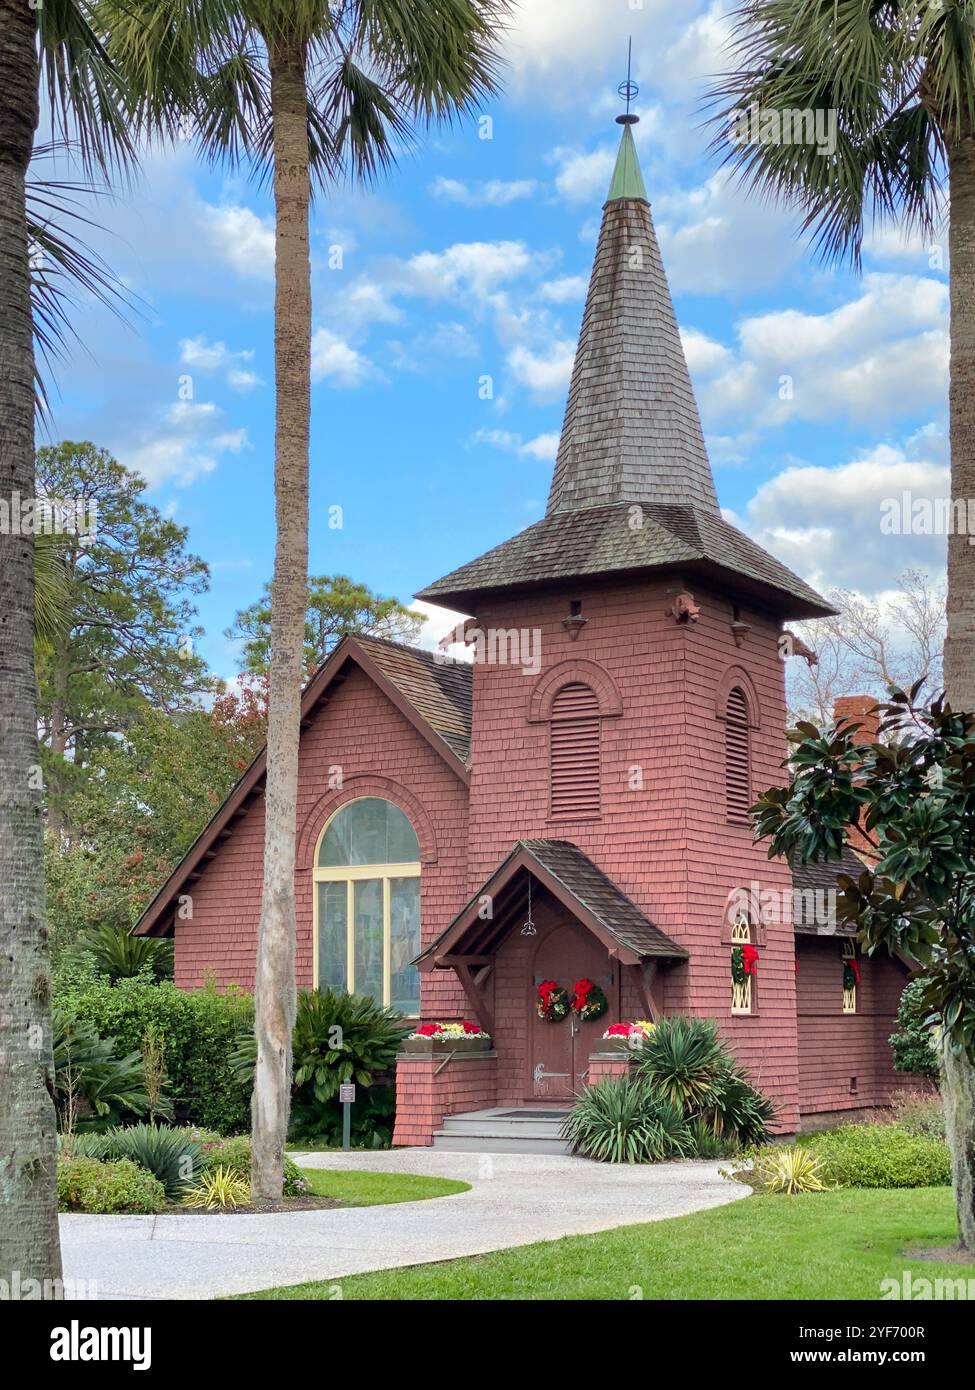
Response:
column 913, row 794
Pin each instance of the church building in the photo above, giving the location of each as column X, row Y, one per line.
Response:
column 570, row 807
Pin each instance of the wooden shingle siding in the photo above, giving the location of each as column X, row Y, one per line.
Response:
column 575, row 752
column 737, row 760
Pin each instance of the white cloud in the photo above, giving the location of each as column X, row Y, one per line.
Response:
column 825, row 523
column 704, row 355
column 243, row 239
column 438, row 622
column 584, row 178
column 546, row 374
column 188, row 441
column 338, row 362
column 428, row 348
column 202, row 355
column 494, row 193
column 564, row 289
column 543, row 447
column 881, row 355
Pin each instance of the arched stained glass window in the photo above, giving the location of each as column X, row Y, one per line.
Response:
column 367, row 904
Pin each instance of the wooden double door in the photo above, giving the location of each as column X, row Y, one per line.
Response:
column 559, row 1052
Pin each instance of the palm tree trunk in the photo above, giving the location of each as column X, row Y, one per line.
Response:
column 958, row 1071
column 960, row 644
column 28, row 1204
column 274, row 987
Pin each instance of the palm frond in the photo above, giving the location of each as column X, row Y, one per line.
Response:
column 62, row 265
column 87, row 96
column 866, row 66
column 52, row 593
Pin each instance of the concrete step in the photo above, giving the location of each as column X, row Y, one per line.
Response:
column 528, row 1130
column 495, row 1144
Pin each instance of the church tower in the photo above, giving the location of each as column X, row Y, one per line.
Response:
column 629, row 674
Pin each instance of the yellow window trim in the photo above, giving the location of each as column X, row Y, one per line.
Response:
column 350, row 876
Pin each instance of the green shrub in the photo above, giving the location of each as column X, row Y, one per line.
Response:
column 684, row 1061
column 619, row 1121
column 96, row 1081
column 338, row 1037
column 919, row 1112
column 171, row 1155
column 85, row 1184
column 912, row 1045
column 200, row 1029
column 881, row 1156
column 234, row 1156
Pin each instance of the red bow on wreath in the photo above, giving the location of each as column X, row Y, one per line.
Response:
column 545, row 991
column 749, row 960
column 580, row 993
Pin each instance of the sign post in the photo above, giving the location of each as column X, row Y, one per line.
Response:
column 347, row 1097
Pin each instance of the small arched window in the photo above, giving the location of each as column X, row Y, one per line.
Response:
column 575, row 769
column 737, row 757
column 367, row 904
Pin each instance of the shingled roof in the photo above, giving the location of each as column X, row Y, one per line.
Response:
column 440, row 690
column 812, row 882
column 632, row 489
column 592, row 897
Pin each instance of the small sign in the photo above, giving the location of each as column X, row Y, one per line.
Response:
column 347, row 1093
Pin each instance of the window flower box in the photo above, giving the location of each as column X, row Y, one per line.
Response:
column 440, row 1039
column 625, row 1037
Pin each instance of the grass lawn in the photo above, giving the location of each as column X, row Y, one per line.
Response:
column 359, row 1189
column 826, row 1245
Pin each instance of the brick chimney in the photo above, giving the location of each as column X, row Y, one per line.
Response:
column 855, row 709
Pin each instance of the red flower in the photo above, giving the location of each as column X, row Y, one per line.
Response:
column 469, row 1027
column 749, row 959
column 618, row 1030
column 429, row 1030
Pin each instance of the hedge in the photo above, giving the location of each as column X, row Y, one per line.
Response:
column 200, row 1029
column 881, row 1156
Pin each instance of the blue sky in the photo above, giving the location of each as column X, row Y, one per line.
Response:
column 471, row 260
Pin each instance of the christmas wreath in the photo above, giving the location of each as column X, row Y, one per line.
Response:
column 851, row 974
column 744, row 962
column 552, row 1001
column 588, row 1000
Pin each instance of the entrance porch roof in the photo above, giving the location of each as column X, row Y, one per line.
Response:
column 576, row 882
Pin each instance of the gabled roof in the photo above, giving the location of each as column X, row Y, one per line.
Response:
column 435, row 696
column 631, row 446
column 813, row 880
column 604, row 541
column 591, row 897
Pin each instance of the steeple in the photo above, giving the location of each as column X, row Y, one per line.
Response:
column 631, row 431
column 632, row 492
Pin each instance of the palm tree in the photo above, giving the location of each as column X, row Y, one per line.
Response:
column 314, row 90
column 900, row 77
column 51, row 45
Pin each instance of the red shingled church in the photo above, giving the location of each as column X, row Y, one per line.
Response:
column 574, row 803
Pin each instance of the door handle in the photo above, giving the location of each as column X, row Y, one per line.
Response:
column 540, row 1074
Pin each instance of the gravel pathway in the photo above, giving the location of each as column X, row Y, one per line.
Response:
column 515, row 1199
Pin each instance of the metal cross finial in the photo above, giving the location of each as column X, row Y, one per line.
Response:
column 628, row 90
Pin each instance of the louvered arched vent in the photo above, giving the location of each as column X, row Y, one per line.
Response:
column 737, row 773
column 575, row 752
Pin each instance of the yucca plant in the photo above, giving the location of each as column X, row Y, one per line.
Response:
column 169, row 1154
column 619, row 1121
column 683, row 1061
column 789, row 1170
column 219, row 1188
column 739, row 1113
